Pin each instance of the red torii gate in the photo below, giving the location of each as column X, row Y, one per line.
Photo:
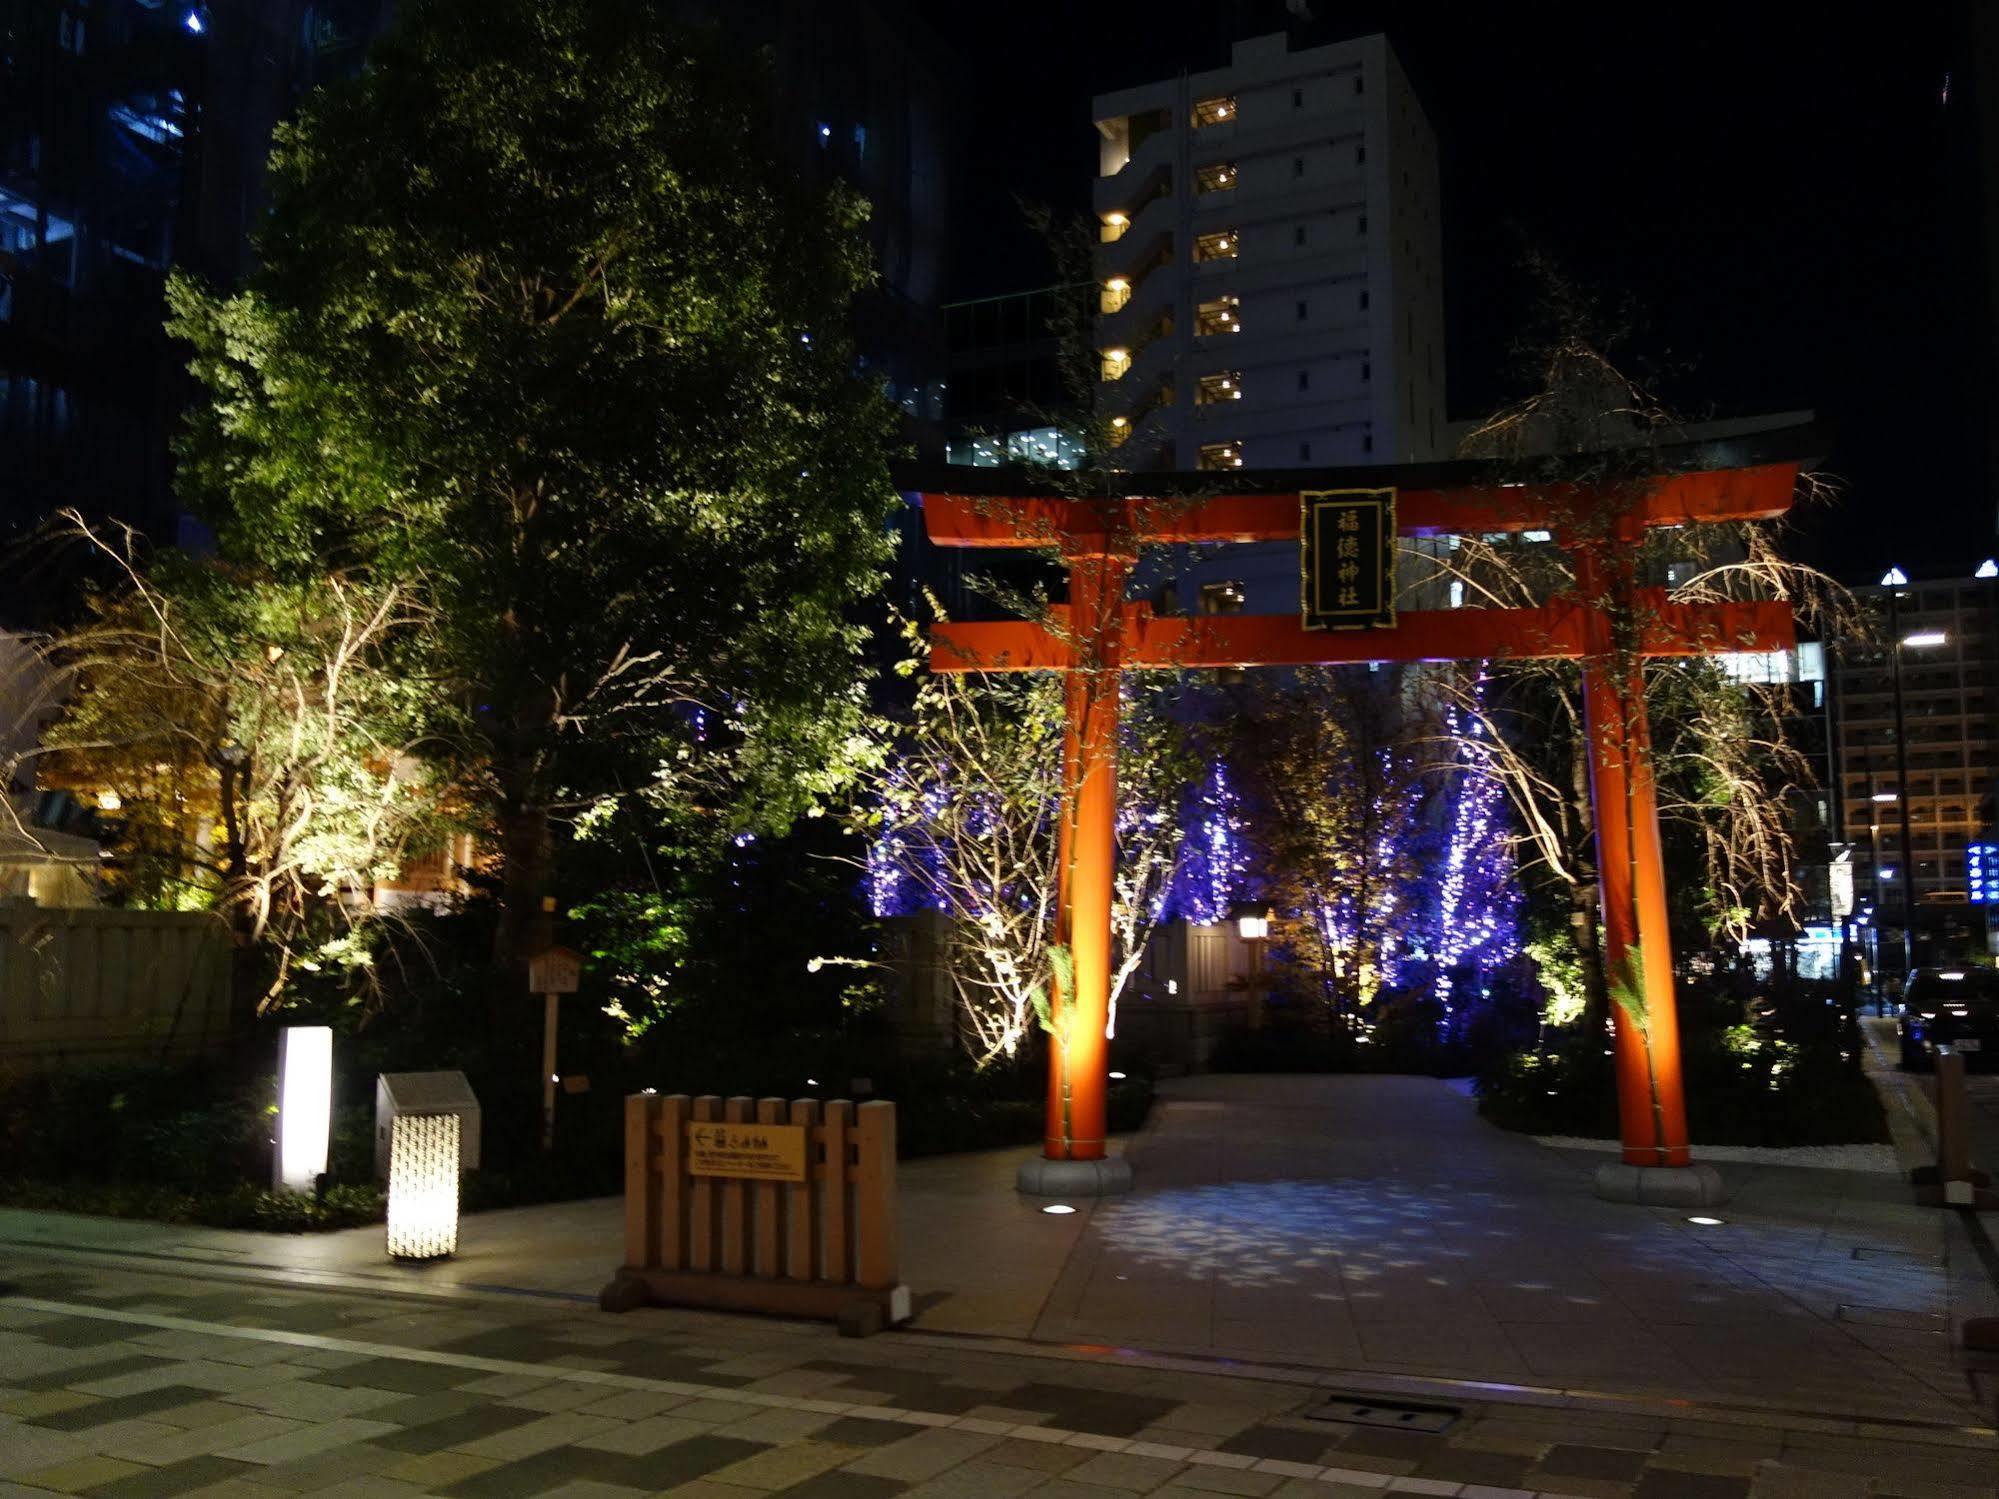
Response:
column 1097, row 635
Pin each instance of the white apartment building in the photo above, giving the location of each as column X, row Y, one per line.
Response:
column 1270, row 282
column 1271, row 286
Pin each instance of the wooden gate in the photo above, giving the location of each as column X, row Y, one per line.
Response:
column 820, row 1245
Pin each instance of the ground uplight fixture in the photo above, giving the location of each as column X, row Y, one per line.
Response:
column 1702, row 1221
column 1059, row 1209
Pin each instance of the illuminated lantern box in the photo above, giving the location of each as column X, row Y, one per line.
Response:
column 398, row 1093
column 423, row 1186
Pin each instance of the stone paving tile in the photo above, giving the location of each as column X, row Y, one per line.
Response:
column 841, row 1484
column 456, row 1430
column 1043, row 1457
column 434, row 1470
column 400, row 1375
column 80, row 1332
column 174, row 1479
column 1281, row 1442
column 1464, row 1465
column 1200, row 1480
column 1120, row 1470
column 1665, row 1483
column 81, row 1473
column 783, row 1467
column 1614, row 1464
column 318, row 1470
column 977, row 1479
column 632, row 1405
column 28, row 1448
column 172, row 1444
column 922, row 1456
column 532, row 1475
column 638, row 1438
column 538, row 1436
column 78, row 1367
column 312, row 1400
column 33, row 1404
column 308, row 1441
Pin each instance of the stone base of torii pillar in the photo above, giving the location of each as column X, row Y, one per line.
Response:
column 1695, row 1186
column 1041, row 1177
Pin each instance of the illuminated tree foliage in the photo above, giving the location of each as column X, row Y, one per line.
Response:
column 263, row 743
column 1726, row 774
column 1474, row 886
column 962, row 817
column 1338, row 793
column 544, row 338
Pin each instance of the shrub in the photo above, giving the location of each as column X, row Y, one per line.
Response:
column 1744, row 1086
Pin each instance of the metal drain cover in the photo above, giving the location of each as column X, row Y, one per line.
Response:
column 1868, row 1253
column 1397, row 1415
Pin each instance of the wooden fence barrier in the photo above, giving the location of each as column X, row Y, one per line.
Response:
column 761, row 1205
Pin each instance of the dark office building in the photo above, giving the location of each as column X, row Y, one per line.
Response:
column 132, row 138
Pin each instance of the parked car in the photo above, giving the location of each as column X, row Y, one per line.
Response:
column 1954, row 1006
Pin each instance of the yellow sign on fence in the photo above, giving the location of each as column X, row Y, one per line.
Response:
column 767, row 1152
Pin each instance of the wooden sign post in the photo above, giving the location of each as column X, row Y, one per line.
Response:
column 551, row 974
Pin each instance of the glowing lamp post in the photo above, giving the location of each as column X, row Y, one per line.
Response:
column 305, row 1106
column 1252, row 924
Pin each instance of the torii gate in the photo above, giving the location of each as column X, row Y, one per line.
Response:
column 1098, row 635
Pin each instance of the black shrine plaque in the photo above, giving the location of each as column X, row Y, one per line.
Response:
column 1347, row 554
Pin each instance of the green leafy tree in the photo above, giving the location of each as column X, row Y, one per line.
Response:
column 543, row 333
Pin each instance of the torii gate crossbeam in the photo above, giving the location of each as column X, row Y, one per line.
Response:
column 1098, row 634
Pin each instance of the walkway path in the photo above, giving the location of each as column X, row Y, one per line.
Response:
column 1376, row 1224
column 150, row 1378
column 1291, row 1238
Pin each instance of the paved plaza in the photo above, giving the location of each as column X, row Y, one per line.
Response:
column 1292, row 1240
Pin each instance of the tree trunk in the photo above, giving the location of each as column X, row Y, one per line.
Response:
column 527, row 873
column 1585, row 894
column 527, row 846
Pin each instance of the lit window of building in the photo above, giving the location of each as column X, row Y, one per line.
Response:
column 1216, row 111
column 1116, row 292
column 1224, row 244
column 1113, row 229
column 1219, row 178
column 1221, row 455
column 1218, row 316
column 1223, row 385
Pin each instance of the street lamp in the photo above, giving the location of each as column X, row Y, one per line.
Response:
column 1252, row 924
column 1894, row 580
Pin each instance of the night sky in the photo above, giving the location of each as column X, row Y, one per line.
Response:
column 1777, row 198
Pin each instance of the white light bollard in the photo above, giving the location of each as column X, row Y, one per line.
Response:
column 305, row 1107
column 423, row 1186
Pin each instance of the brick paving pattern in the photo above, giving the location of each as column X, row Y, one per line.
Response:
column 172, row 1380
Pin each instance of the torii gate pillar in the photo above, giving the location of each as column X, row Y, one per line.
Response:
column 1651, row 1101
column 1075, row 1158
